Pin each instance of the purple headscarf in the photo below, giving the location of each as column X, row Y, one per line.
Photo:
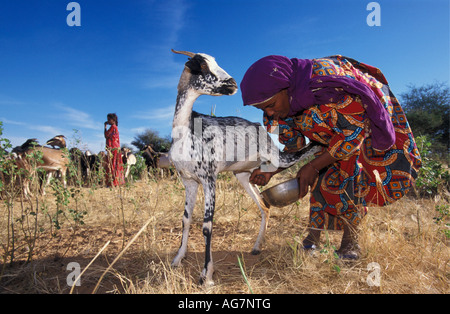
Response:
column 271, row 74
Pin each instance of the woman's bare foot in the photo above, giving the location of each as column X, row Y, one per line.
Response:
column 312, row 240
column 350, row 251
column 349, row 245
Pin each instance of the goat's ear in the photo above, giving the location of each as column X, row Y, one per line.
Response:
column 196, row 65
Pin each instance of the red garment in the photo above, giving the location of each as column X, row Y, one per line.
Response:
column 114, row 170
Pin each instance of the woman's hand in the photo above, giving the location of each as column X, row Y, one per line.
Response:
column 306, row 176
column 260, row 178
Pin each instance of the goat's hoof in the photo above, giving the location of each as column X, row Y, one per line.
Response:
column 256, row 251
column 176, row 262
column 206, row 279
column 203, row 281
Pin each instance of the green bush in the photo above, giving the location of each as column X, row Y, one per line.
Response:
column 434, row 177
column 139, row 170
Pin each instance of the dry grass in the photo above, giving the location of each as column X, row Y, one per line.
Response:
column 410, row 248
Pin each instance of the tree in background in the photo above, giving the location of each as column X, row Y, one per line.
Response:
column 152, row 138
column 427, row 110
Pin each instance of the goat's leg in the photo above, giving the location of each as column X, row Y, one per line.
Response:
column 26, row 189
column 128, row 171
column 191, row 188
column 243, row 178
column 209, row 189
column 46, row 182
column 64, row 177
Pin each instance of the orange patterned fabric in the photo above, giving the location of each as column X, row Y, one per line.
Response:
column 362, row 176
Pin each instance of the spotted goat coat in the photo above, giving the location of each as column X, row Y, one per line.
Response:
column 202, row 147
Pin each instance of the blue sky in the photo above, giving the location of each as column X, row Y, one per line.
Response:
column 55, row 78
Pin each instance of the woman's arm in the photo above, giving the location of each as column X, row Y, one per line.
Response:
column 105, row 132
column 308, row 174
column 262, row 178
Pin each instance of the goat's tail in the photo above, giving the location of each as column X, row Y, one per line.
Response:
column 288, row 159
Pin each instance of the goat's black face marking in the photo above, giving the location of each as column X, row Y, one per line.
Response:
column 197, row 65
column 228, row 88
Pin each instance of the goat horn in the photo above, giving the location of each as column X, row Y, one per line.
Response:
column 187, row 53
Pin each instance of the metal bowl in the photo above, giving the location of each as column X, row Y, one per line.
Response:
column 282, row 194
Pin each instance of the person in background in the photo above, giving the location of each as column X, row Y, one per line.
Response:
column 114, row 170
column 369, row 156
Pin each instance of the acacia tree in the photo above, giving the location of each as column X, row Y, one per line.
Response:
column 427, row 109
column 152, row 138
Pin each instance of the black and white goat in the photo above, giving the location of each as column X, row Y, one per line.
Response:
column 128, row 159
column 204, row 145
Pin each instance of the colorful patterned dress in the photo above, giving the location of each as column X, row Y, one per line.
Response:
column 114, row 170
column 362, row 176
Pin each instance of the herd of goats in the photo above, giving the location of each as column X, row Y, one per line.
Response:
column 56, row 159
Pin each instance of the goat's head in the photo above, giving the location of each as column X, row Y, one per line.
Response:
column 205, row 75
column 58, row 140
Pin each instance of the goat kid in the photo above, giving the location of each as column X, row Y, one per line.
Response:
column 193, row 132
column 150, row 156
column 128, row 159
column 53, row 160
